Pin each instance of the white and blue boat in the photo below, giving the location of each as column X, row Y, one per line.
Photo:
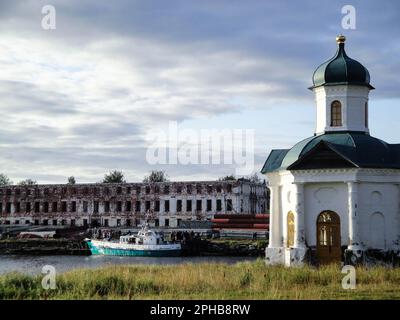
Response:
column 146, row 243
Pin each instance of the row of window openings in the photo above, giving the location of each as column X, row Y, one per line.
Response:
column 46, row 222
column 128, row 206
column 156, row 189
column 55, row 222
column 336, row 114
column 137, row 222
column 47, row 191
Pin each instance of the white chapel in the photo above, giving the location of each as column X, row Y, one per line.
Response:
column 335, row 197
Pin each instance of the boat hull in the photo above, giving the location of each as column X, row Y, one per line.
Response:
column 104, row 248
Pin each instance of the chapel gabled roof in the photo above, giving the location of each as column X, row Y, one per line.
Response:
column 323, row 155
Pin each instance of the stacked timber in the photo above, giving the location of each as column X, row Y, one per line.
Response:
column 240, row 221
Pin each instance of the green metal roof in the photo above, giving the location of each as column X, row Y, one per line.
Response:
column 358, row 147
column 274, row 160
column 341, row 69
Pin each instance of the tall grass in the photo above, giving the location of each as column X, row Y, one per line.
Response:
column 247, row 280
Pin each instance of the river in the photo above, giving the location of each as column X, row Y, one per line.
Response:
column 34, row 264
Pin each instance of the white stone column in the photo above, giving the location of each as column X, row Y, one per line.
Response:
column 223, row 204
column 274, row 235
column 354, row 237
column 204, row 206
column 299, row 229
column 162, row 206
column 172, row 205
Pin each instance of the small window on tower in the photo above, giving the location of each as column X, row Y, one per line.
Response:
column 336, row 114
column 366, row 115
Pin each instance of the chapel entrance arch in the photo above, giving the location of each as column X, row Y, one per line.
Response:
column 328, row 238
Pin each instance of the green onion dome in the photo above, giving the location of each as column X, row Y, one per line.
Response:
column 341, row 69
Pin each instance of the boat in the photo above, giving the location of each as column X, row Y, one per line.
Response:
column 147, row 243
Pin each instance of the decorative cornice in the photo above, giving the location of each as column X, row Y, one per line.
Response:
column 323, row 171
column 344, row 170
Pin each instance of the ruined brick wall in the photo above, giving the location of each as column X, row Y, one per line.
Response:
column 126, row 204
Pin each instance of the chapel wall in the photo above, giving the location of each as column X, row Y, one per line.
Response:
column 378, row 211
column 319, row 197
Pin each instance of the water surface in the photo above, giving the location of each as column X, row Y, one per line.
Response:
column 34, row 264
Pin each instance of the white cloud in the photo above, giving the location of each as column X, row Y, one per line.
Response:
column 81, row 99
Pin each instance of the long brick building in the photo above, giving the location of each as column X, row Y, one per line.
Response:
column 125, row 204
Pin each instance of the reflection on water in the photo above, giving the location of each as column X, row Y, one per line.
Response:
column 34, row 264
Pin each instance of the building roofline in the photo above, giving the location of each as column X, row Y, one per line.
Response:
column 127, row 183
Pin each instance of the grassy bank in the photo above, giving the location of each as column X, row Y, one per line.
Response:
column 248, row 280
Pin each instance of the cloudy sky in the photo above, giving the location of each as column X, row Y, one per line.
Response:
column 84, row 98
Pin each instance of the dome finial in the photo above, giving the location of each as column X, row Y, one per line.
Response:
column 340, row 39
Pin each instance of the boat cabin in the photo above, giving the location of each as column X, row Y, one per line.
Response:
column 144, row 236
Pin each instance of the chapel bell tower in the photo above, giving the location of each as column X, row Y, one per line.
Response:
column 341, row 86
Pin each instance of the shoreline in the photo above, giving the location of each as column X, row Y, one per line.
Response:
column 201, row 247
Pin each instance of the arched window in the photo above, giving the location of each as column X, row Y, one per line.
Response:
column 366, row 114
column 336, row 114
